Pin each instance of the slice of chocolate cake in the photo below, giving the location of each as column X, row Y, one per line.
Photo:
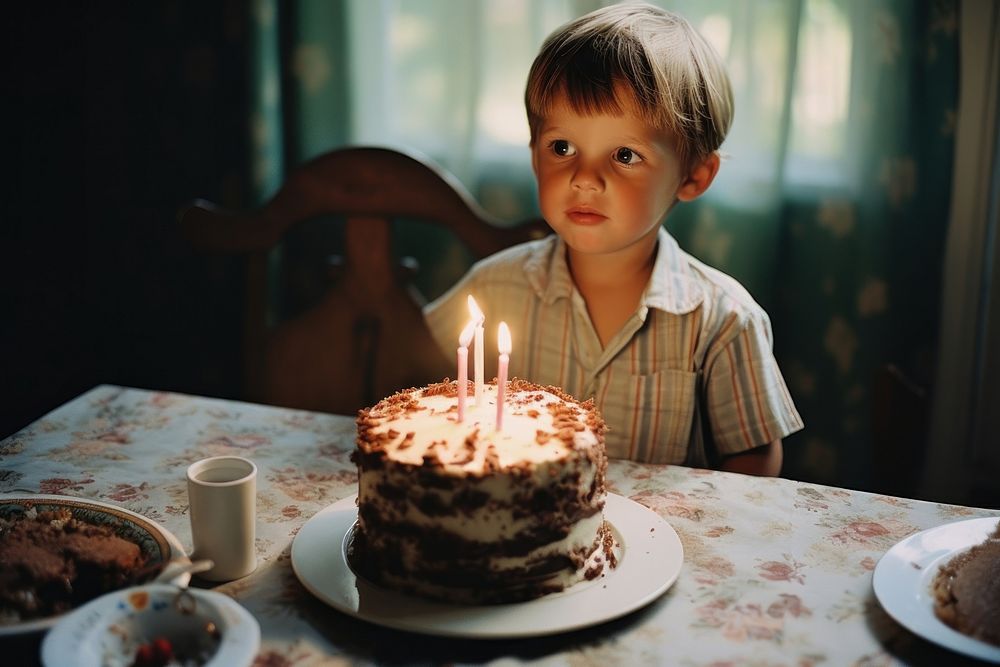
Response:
column 967, row 591
column 51, row 562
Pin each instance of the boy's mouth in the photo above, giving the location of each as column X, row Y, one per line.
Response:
column 585, row 215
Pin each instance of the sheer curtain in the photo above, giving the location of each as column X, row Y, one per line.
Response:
column 830, row 207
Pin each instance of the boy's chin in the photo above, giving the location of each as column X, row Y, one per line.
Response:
column 591, row 243
column 587, row 244
column 600, row 249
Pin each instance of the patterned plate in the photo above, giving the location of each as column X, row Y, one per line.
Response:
column 110, row 629
column 155, row 541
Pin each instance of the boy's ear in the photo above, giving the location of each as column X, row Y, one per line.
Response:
column 700, row 178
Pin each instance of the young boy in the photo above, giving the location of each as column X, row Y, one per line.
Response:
column 627, row 108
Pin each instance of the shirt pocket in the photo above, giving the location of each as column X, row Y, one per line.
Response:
column 650, row 416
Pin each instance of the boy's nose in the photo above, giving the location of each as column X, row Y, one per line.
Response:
column 587, row 178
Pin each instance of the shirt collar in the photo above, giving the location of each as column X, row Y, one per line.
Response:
column 673, row 287
column 547, row 270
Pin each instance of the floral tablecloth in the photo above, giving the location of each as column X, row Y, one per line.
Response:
column 776, row 572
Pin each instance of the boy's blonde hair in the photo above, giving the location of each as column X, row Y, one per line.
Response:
column 677, row 80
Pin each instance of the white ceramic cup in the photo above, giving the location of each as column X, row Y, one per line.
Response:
column 222, row 493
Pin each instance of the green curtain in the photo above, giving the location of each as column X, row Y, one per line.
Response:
column 830, row 208
column 848, row 267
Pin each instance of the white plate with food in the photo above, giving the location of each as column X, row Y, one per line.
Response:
column 155, row 624
column 650, row 556
column 904, row 577
column 26, row 609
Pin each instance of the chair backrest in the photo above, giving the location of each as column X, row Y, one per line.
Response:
column 366, row 338
column 900, row 419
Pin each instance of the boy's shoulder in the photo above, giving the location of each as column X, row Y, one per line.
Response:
column 521, row 252
column 706, row 284
column 522, row 262
column 722, row 285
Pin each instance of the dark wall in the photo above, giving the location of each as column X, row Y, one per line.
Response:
column 115, row 115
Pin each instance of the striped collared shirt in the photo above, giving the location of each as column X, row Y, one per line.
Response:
column 697, row 350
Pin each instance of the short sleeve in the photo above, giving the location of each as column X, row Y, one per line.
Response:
column 748, row 402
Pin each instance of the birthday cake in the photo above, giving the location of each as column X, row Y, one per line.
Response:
column 967, row 590
column 463, row 512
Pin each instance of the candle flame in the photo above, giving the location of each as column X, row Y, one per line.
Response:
column 503, row 339
column 475, row 312
column 466, row 336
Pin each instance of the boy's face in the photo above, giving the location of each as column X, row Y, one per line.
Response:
column 605, row 182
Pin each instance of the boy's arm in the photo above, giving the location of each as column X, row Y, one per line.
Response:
column 764, row 460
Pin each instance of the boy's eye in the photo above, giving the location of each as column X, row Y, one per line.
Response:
column 562, row 148
column 627, row 156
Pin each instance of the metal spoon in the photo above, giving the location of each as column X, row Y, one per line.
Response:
column 176, row 568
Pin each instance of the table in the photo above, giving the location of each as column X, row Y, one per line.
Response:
column 776, row 572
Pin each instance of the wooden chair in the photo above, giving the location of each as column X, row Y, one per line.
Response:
column 366, row 338
column 900, row 419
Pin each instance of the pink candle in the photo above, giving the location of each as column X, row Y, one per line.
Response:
column 477, row 315
column 463, row 366
column 504, row 346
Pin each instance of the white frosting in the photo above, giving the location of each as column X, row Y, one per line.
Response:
column 525, row 414
column 581, row 537
column 541, row 473
column 494, row 520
